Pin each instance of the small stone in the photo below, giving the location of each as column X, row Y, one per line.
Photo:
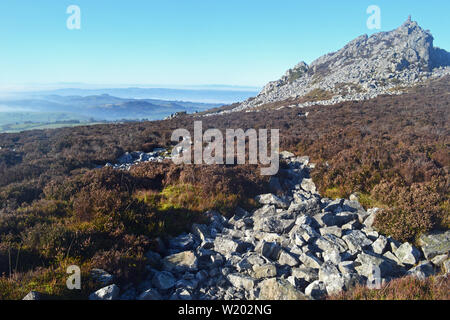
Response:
column 310, row 261
column 110, row 292
column 356, row 240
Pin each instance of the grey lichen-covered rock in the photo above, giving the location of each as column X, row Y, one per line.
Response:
column 310, row 260
column 278, row 289
column 181, row 262
column 182, row 242
column 241, row 281
column 434, row 244
column 287, row 259
column 153, row 258
column 181, row 294
column 446, row 266
column 407, row 254
column 356, row 240
column 227, row 246
column 380, row 245
column 422, row 270
column 271, row 199
column 367, row 263
column 264, row 271
column 334, row 280
column 305, row 273
column 273, row 224
column 110, row 292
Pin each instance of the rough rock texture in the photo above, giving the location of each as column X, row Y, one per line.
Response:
column 435, row 244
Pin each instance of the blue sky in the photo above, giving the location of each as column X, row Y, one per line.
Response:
column 187, row 42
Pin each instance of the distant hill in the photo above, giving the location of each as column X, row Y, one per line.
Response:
column 43, row 110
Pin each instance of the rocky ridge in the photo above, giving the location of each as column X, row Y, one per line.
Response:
column 296, row 246
column 384, row 63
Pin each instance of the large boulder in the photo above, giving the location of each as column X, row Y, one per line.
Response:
column 241, row 281
column 227, row 246
column 271, row 199
column 356, row 240
column 278, row 289
column 407, row 254
column 264, row 271
column 273, row 224
column 422, row 270
column 333, row 279
column 369, row 263
column 287, row 259
column 434, row 244
column 270, row 250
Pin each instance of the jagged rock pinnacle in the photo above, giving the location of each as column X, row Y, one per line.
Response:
column 363, row 69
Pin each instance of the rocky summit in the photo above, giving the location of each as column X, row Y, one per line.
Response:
column 296, row 245
column 384, row 63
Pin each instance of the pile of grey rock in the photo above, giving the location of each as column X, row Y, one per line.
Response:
column 297, row 245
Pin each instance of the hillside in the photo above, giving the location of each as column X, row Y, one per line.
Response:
column 364, row 181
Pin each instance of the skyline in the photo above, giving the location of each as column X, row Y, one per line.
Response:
column 186, row 43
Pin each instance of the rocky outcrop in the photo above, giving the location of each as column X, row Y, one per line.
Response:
column 365, row 68
column 297, row 245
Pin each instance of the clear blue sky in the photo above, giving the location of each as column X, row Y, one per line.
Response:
column 188, row 42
